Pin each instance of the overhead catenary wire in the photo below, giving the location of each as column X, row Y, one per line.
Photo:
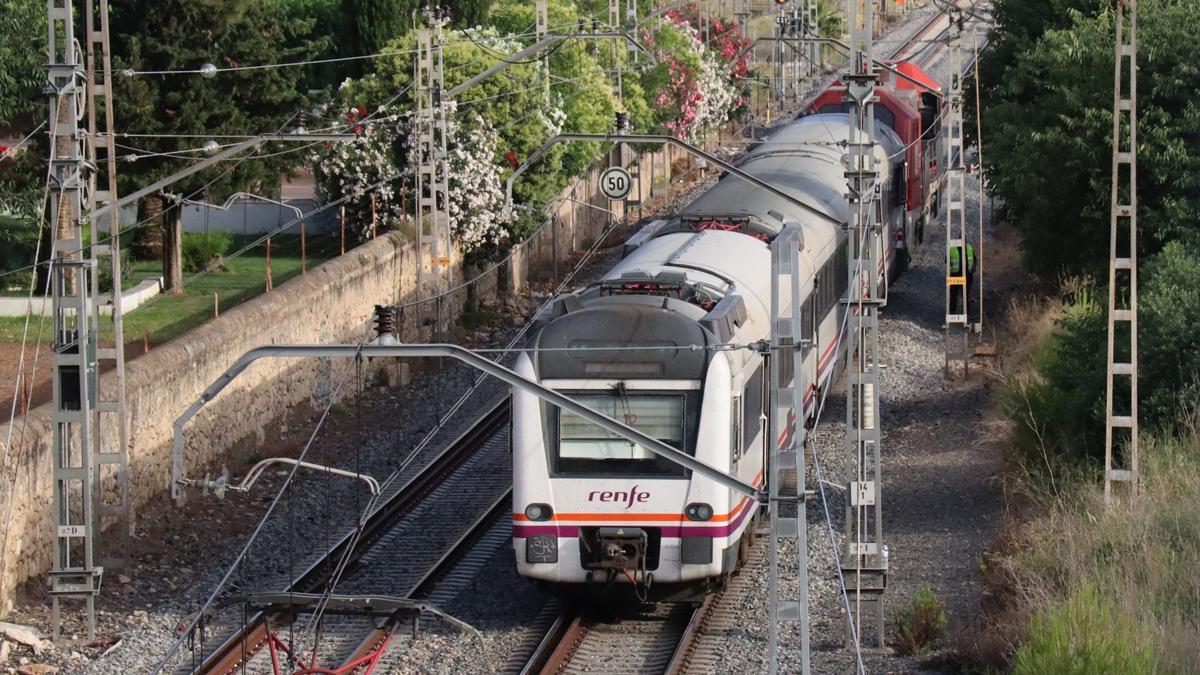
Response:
column 326, row 412
column 284, row 488
column 4, row 457
column 12, row 150
column 137, row 225
column 131, row 72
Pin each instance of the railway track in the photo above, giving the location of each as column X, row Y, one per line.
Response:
column 654, row 639
column 408, row 544
column 927, row 43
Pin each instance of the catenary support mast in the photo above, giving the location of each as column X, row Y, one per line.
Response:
column 74, row 574
column 433, row 171
column 864, row 565
column 111, row 436
column 956, row 336
column 1122, row 266
column 787, row 438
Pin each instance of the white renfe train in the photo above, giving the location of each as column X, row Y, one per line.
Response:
column 592, row 508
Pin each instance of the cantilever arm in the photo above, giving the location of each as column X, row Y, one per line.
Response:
column 471, row 359
column 221, row 484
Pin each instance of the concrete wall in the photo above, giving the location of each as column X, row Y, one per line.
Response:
column 249, row 216
column 331, row 303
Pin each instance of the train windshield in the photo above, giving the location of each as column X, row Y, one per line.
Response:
column 584, row 448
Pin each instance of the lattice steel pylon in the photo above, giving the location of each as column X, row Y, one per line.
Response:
column 864, row 567
column 788, row 514
column 110, row 436
column 433, row 171
column 73, row 574
column 812, row 28
column 1122, row 261
column 956, row 330
column 541, row 25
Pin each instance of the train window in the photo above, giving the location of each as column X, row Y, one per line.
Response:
column 886, row 116
column 807, row 326
column 584, row 448
column 752, row 409
column 843, row 271
column 735, row 436
column 786, row 364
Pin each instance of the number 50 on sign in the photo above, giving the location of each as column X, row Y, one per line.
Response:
column 616, row 183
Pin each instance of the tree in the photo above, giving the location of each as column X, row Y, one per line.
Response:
column 165, row 35
column 22, row 59
column 1048, row 119
column 374, row 23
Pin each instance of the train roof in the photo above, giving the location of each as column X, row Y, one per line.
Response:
column 804, row 159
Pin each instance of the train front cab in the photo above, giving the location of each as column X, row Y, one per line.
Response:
column 595, row 512
column 915, row 115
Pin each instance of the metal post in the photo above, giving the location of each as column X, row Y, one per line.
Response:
column 1122, row 259
column 814, row 29
column 788, row 435
column 433, row 171
column 614, row 23
column 541, row 23
column 956, row 335
column 110, row 435
column 864, row 567
column 779, row 85
column 74, row 574
column 979, row 168
column 631, row 22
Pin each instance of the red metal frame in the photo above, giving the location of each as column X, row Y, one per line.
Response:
column 367, row 661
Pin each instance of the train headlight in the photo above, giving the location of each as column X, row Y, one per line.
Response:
column 539, row 512
column 698, row 511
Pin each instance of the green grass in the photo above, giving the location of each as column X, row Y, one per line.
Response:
column 167, row 316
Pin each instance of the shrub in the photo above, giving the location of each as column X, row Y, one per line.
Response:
column 919, row 624
column 1059, row 412
column 18, row 241
column 1083, row 636
column 202, row 250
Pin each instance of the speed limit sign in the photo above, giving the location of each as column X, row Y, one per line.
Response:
column 615, row 183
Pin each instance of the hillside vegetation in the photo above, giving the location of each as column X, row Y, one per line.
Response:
column 1087, row 589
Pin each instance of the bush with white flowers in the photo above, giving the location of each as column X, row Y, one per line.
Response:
column 360, row 169
column 479, row 221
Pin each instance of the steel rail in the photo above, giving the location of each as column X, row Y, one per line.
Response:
column 245, row 643
column 549, row 643
column 564, row 646
column 566, row 638
column 379, row 636
column 683, row 650
column 917, row 36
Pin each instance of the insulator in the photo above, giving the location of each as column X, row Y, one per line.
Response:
column 622, row 121
column 385, row 320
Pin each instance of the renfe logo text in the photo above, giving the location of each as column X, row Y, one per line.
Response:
column 626, row 498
